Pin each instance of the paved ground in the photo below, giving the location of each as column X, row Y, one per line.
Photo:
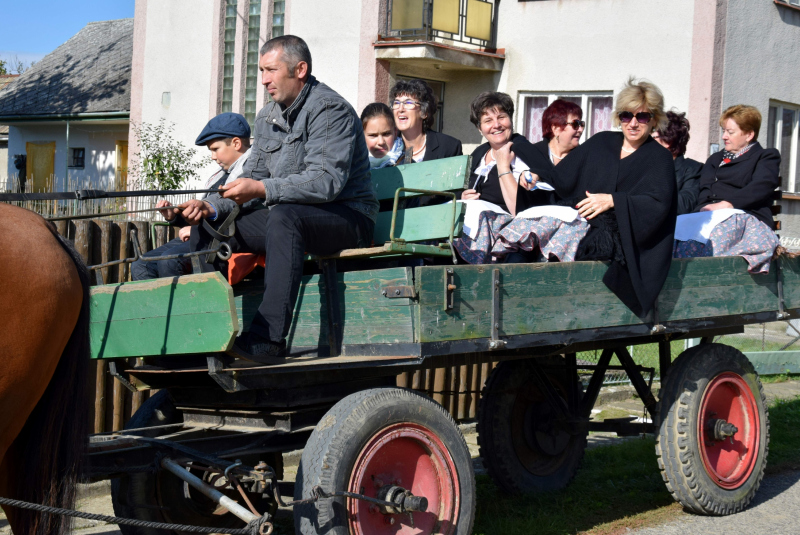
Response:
column 774, row 511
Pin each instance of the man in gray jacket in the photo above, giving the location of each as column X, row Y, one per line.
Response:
column 307, row 189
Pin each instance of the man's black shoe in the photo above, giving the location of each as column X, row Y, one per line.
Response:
column 251, row 346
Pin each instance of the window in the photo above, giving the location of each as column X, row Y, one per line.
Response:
column 78, row 158
column 228, row 55
column 278, row 10
column 782, row 133
column 597, row 109
column 251, row 78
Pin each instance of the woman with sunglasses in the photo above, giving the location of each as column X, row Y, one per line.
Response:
column 627, row 181
column 414, row 105
column 562, row 127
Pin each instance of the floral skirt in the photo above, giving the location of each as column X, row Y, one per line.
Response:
column 739, row 235
column 498, row 235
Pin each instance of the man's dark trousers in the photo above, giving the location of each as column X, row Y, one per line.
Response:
column 143, row 269
column 284, row 233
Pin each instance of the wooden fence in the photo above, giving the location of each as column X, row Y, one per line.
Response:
column 102, row 240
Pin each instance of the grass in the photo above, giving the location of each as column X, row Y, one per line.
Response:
column 617, row 488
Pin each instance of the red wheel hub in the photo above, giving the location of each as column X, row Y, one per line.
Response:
column 413, row 457
column 728, row 430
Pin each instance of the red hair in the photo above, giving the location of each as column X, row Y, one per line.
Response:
column 556, row 114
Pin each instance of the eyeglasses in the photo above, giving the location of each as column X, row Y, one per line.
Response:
column 642, row 117
column 407, row 104
column 576, row 124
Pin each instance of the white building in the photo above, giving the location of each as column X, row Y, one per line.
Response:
column 68, row 114
column 192, row 59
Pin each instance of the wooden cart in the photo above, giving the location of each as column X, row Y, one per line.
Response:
column 381, row 459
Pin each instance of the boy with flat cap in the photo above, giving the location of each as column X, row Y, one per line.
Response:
column 227, row 136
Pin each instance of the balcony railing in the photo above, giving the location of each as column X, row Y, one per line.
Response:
column 471, row 22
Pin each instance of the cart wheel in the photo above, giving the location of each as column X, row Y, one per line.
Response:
column 713, row 432
column 382, row 439
column 162, row 497
column 522, row 450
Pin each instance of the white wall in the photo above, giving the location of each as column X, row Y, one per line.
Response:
column 762, row 56
column 580, row 45
column 178, row 60
column 98, row 139
column 332, row 31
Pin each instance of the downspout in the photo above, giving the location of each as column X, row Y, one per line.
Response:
column 66, row 161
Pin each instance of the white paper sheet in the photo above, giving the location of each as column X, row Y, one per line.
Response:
column 698, row 226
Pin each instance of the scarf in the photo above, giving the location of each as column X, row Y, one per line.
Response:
column 727, row 155
column 391, row 157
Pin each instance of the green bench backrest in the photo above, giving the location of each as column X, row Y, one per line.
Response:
column 448, row 174
column 428, row 222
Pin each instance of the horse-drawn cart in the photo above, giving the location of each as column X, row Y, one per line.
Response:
column 206, row 449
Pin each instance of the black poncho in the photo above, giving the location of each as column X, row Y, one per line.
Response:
column 645, row 207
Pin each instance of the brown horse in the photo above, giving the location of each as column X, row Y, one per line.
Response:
column 44, row 360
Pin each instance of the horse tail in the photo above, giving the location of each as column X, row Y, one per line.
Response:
column 58, row 427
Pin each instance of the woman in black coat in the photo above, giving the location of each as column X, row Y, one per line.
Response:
column 674, row 137
column 744, row 175
column 628, row 181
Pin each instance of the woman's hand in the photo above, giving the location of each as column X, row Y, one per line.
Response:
column 242, row 190
column 168, row 214
column 721, row 205
column 594, row 204
column 195, row 211
column 470, row 195
column 528, row 180
column 504, row 156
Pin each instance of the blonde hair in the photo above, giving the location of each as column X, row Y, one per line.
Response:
column 747, row 117
column 641, row 94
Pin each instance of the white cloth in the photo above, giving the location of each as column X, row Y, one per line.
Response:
column 564, row 213
column 698, row 226
column 518, row 167
column 473, row 212
column 226, row 177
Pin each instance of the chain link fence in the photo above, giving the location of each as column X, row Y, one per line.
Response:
column 773, row 336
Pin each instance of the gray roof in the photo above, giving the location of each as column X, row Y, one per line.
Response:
column 90, row 73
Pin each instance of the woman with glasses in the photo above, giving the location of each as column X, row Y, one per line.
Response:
column 414, row 105
column 627, row 184
column 562, row 127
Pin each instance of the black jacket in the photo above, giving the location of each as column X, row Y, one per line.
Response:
column 645, row 206
column 687, row 177
column 534, row 157
column 747, row 182
column 438, row 146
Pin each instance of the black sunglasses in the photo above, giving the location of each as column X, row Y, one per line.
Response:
column 576, row 124
column 642, row 117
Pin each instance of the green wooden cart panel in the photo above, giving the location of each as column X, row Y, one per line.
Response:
column 539, row 298
column 171, row 316
column 447, row 174
column 790, row 270
column 368, row 316
column 418, row 224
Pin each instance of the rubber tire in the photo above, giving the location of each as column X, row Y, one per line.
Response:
column 497, row 431
column 143, row 488
column 677, row 448
column 333, row 447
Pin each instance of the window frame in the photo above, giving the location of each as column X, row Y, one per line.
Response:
column 792, row 180
column 554, row 95
column 73, row 157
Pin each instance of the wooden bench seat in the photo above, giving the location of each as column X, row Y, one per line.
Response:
column 422, row 231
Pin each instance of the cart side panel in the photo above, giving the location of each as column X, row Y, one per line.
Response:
column 790, row 271
column 553, row 297
column 368, row 316
column 191, row 314
column 710, row 287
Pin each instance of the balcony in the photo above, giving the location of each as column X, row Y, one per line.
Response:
column 448, row 34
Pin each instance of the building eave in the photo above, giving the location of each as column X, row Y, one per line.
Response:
column 58, row 117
